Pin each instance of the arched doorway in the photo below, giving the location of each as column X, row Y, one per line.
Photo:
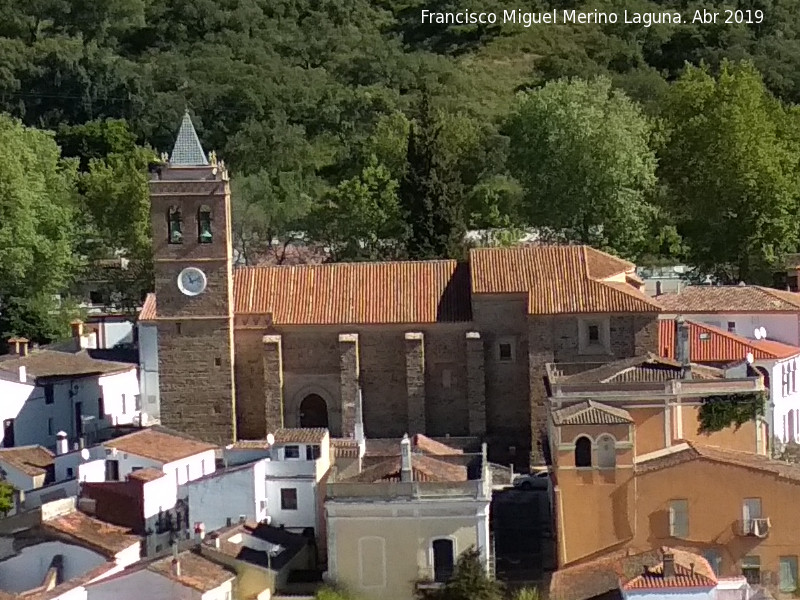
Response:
column 313, row 411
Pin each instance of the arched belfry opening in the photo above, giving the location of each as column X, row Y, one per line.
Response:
column 313, row 411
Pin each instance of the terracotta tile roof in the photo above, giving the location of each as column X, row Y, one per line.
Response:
column 422, row 443
column 146, row 475
column 300, row 435
column 604, row 576
column 31, row 460
column 99, row 535
column 148, row 312
column 730, row 299
column 687, row 451
column 712, row 344
column 249, row 445
column 197, row 572
column 424, row 468
column 356, row 293
column 160, row 444
column 559, row 279
column 638, row 369
column 591, row 413
column 686, row 576
column 54, row 363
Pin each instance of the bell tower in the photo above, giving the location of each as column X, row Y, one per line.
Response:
column 191, row 221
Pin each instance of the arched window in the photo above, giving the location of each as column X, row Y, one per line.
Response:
column 175, row 224
column 443, row 560
column 606, row 452
column 583, row 452
column 204, row 235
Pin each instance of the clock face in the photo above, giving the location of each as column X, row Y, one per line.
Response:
column 192, row 281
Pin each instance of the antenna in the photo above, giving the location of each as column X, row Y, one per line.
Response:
column 270, row 439
column 757, row 333
column 750, row 358
column 85, row 454
column 763, row 333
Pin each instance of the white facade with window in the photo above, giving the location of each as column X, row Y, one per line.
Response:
column 148, row 371
column 33, row 410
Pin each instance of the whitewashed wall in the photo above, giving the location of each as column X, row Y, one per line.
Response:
column 148, row 369
column 119, row 396
column 228, row 495
column 27, row 569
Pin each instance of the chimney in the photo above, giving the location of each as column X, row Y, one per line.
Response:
column 18, row 345
column 23, row 374
column 62, row 445
column 658, row 288
column 682, row 347
column 691, row 569
column 668, row 569
column 406, row 474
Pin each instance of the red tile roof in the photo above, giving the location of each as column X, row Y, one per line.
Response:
column 197, row 572
column 99, row 535
column 58, row 364
column 300, row 435
column 356, row 293
column 696, row 574
column 424, row 468
column 159, row 444
column 712, row 344
column 591, row 413
column 559, row 279
column 730, row 299
column 146, row 475
column 148, row 312
column 31, row 460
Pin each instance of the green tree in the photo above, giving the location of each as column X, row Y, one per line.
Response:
column 37, row 216
column 431, row 193
column 469, row 582
column 730, row 165
column 361, row 219
column 6, row 498
column 581, row 151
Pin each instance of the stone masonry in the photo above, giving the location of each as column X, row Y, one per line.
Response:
column 476, row 384
column 415, row 381
column 350, row 376
column 273, row 383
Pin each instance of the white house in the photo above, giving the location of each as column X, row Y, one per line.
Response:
column 286, row 480
column 148, row 359
column 27, row 467
column 187, row 576
column 63, row 388
column 739, row 309
column 179, row 456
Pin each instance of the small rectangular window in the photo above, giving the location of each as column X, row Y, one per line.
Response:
column 101, row 408
column 291, row 452
column 123, row 405
column 137, row 402
column 751, row 569
column 679, row 518
column 217, row 362
column 288, row 498
column 49, row 396
column 70, row 473
column 788, row 574
column 731, row 326
column 50, row 426
column 505, row 352
column 312, row 452
column 594, row 334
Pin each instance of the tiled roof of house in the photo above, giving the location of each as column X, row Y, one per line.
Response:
column 146, row 475
column 196, row 572
column 604, row 576
column 31, row 460
column 687, row 451
column 424, row 468
column 559, row 279
column 56, row 363
column 42, row 593
column 712, row 344
column 300, row 435
column 591, row 413
column 356, row 293
column 148, row 312
column 103, row 537
column 729, row 299
column 639, row 369
column 686, row 576
column 422, row 443
column 159, row 444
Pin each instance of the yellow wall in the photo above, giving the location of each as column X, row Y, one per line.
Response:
column 743, row 439
column 715, row 492
column 649, row 428
column 395, row 551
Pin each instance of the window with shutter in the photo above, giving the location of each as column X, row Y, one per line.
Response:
column 788, row 574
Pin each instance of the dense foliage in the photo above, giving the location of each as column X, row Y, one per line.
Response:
column 469, row 582
column 731, row 410
column 351, row 124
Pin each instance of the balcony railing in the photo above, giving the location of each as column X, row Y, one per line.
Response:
column 755, row 527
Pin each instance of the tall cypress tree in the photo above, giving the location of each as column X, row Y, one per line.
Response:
column 431, row 193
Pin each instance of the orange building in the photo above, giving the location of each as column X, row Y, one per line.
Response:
column 632, row 470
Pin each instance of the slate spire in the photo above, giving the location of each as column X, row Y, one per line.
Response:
column 187, row 151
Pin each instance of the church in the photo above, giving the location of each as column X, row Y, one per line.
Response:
column 438, row 347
